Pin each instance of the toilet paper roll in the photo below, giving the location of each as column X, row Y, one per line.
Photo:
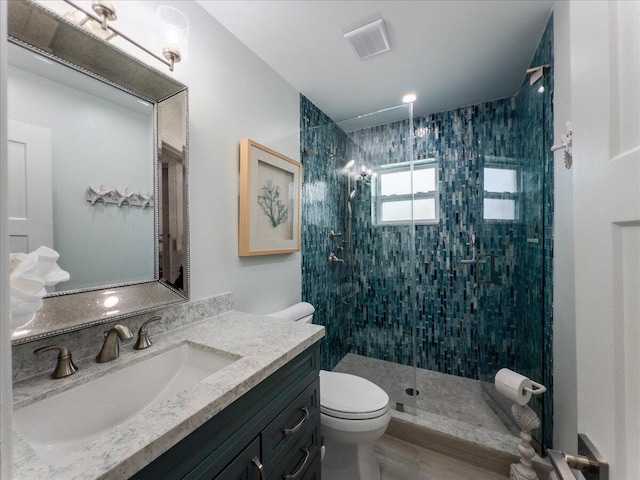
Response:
column 514, row 386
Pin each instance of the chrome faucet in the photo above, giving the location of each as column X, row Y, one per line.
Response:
column 110, row 347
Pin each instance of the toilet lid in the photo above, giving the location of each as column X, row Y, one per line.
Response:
column 351, row 397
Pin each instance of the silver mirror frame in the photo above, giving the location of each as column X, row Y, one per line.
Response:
column 76, row 48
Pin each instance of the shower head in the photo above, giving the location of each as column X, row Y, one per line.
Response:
column 536, row 73
column 346, row 170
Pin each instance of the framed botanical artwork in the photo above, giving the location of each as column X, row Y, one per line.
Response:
column 270, row 190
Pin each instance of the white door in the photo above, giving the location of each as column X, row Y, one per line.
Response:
column 30, row 190
column 605, row 84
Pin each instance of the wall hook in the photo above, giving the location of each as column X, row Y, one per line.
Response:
column 566, row 143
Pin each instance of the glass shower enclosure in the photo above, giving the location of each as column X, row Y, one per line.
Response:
column 426, row 251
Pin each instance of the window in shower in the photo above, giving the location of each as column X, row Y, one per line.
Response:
column 501, row 192
column 392, row 198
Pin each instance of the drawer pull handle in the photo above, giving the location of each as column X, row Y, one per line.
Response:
column 256, row 462
column 293, row 476
column 297, row 426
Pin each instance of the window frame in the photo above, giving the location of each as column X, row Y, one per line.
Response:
column 503, row 164
column 377, row 199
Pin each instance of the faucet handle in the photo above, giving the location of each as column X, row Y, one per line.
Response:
column 65, row 366
column 143, row 337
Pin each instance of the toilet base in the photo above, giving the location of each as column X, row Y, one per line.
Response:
column 349, row 461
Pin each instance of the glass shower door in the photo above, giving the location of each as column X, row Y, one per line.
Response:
column 378, row 274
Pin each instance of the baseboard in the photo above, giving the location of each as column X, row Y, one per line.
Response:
column 460, row 449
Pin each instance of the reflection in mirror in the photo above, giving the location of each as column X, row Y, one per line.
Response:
column 95, row 119
column 171, row 157
column 52, row 110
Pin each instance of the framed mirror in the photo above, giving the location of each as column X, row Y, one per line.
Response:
column 98, row 171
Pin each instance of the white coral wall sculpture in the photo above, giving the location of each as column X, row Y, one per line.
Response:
column 118, row 197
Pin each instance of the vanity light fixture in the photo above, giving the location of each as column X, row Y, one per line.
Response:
column 106, row 11
column 91, row 24
column 174, row 24
column 175, row 33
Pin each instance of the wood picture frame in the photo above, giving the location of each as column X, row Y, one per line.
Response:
column 270, row 194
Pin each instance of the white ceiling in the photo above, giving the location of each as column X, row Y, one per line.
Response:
column 450, row 53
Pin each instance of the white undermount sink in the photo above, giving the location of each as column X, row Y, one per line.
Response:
column 59, row 425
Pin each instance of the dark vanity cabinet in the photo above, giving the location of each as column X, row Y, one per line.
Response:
column 271, row 432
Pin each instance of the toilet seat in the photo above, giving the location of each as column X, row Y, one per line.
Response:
column 351, row 397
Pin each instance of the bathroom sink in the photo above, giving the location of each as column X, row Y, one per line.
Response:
column 59, row 425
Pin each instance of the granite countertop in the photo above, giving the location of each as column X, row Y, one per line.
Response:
column 261, row 346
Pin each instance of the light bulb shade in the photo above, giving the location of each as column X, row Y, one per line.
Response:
column 174, row 27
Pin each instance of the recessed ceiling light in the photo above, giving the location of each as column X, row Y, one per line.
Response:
column 409, row 98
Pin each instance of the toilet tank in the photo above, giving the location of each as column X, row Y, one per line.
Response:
column 300, row 312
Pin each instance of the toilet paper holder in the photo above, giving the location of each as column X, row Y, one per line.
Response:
column 519, row 389
column 538, row 390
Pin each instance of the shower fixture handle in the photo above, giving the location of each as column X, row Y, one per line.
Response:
column 333, row 235
column 334, row 260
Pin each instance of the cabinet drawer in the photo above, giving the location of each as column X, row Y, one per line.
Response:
column 313, row 473
column 243, row 466
column 300, row 457
column 287, row 428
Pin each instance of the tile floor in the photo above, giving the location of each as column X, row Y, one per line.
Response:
column 448, row 404
column 456, row 398
column 470, row 421
column 400, row 460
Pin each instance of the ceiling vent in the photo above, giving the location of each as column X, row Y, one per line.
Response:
column 370, row 39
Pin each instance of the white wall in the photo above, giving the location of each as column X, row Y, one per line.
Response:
column 232, row 95
column 564, row 323
column 6, row 466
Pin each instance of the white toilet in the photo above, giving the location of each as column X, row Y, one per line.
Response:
column 354, row 413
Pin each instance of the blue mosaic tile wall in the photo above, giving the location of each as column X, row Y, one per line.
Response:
column 323, row 145
column 534, row 333
column 461, row 328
